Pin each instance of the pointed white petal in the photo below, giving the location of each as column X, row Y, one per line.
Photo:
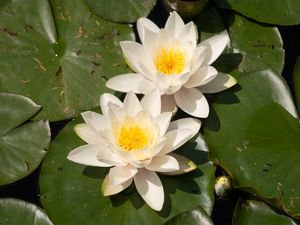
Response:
column 220, row 83
column 121, row 174
column 174, row 24
column 150, row 188
column 87, row 155
column 189, row 34
column 192, row 101
column 152, row 103
column 216, row 45
column 137, row 58
column 130, row 82
column 163, row 121
column 185, row 165
column 107, row 98
column 109, row 157
column 168, row 104
column 150, row 40
column 199, row 58
column 201, row 76
column 132, row 104
column 95, row 120
column 88, row 134
column 186, row 123
column 108, row 188
column 164, row 163
column 175, row 139
column 144, row 23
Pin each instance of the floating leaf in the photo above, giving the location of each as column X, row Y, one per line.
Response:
column 22, row 145
column 59, row 54
column 14, row 212
column 193, row 217
column 251, row 212
column 80, row 186
column 261, row 46
column 256, row 141
column 278, row 12
column 125, row 11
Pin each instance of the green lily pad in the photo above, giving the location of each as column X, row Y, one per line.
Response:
column 22, row 145
column 253, row 134
column 14, row 212
column 59, row 54
column 251, row 212
column 261, row 46
column 80, row 186
column 277, row 12
column 125, row 11
column 193, row 217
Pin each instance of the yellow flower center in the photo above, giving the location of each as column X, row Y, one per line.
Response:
column 132, row 138
column 170, row 61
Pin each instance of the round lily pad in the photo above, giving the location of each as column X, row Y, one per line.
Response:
column 15, row 212
column 80, row 187
column 23, row 144
column 59, row 54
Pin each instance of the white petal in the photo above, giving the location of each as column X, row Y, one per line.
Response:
column 168, row 104
column 192, row 101
column 108, row 188
column 109, row 157
column 201, row 76
column 107, row 98
column 130, row 82
column 150, row 40
column 152, row 103
column 189, row 34
column 185, row 165
column 163, row 121
column 186, row 123
column 164, row 163
column 132, row 104
column 87, row 155
column 200, row 56
column 95, row 120
column 175, row 139
column 216, row 45
column 137, row 58
column 88, row 134
column 221, row 82
column 121, row 174
column 144, row 23
column 174, row 24
column 150, row 188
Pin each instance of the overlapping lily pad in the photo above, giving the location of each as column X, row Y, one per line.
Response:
column 81, row 185
column 268, row 11
column 125, row 11
column 22, row 145
column 59, row 54
column 251, row 212
column 253, row 134
column 14, row 211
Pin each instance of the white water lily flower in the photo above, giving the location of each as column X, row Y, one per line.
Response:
column 136, row 140
column 171, row 60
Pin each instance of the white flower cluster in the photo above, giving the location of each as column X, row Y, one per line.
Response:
column 137, row 138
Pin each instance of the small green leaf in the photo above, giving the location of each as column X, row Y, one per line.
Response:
column 125, row 11
column 277, row 12
column 80, row 186
column 22, row 145
column 251, row 212
column 15, row 212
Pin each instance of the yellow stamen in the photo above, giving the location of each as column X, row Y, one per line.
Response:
column 170, row 61
column 132, row 138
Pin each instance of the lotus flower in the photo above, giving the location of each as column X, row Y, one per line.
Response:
column 171, row 60
column 136, row 140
